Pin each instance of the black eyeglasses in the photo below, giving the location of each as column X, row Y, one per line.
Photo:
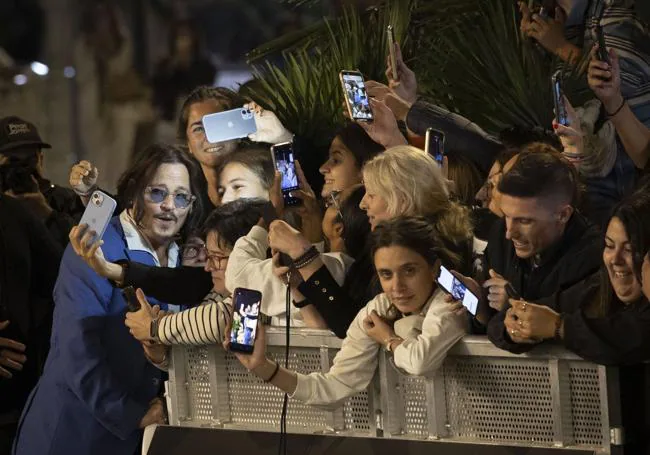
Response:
column 333, row 200
column 192, row 250
column 158, row 195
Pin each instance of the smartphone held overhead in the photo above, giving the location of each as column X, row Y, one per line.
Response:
column 561, row 114
column 246, row 304
column 229, row 125
column 356, row 96
column 98, row 213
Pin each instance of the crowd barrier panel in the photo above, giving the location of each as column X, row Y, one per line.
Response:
column 481, row 395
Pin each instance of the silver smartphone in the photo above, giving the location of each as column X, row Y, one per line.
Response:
column 229, row 125
column 391, row 52
column 434, row 144
column 98, row 213
column 356, row 96
column 561, row 114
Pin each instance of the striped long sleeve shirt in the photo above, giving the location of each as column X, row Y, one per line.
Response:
column 202, row 325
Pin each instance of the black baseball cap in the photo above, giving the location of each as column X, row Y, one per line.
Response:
column 16, row 133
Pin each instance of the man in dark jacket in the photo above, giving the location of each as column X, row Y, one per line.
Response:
column 543, row 245
column 21, row 150
column 29, row 265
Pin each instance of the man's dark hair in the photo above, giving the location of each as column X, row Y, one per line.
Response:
column 357, row 141
column 234, row 220
column 226, row 97
column 542, row 174
column 517, row 137
column 356, row 227
column 132, row 184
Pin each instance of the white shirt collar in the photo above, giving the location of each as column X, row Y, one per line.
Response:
column 135, row 241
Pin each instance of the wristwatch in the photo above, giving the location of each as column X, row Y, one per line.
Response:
column 388, row 342
column 153, row 330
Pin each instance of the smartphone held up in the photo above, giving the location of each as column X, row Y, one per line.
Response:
column 434, row 145
column 454, row 287
column 356, row 96
column 284, row 161
column 98, row 213
column 229, row 125
column 246, row 311
column 561, row 113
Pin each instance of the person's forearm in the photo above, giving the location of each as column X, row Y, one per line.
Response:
column 635, row 136
column 284, row 379
column 307, row 271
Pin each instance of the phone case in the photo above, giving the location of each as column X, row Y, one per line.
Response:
column 229, row 125
column 98, row 213
column 430, row 138
column 244, row 322
column 289, row 173
column 356, row 96
column 558, row 99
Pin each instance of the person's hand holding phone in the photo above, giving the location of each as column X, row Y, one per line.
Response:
column 547, row 31
column 256, row 361
column 384, row 129
column 483, row 309
column 605, row 80
column 34, row 201
column 497, row 295
column 309, row 210
column 81, row 240
column 406, row 85
column 571, row 136
column 381, row 92
column 285, row 239
column 269, row 127
column 139, row 322
column 531, row 323
column 12, row 354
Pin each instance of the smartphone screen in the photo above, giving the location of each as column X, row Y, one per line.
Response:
column 246, row 304
column 434, row 145
column 285, row 163
column 98, row 213
column 356, row 97
column 457, row 289
column 391, row 52
column 558, row 99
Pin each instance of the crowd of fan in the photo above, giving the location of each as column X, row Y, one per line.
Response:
column 563, row 219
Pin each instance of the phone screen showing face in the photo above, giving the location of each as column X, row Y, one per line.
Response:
column 435, row 145
column 457, row 290
column 285, row 163
column 356, row 96
column 558, row 100
column 246, row 304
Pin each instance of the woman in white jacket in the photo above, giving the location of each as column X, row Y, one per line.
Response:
column 411, row 318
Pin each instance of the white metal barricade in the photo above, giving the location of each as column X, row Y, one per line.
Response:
column 482, row 395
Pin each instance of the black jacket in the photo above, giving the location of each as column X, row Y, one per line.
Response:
column 461, row 134
column 576, row 256
column 29, row 265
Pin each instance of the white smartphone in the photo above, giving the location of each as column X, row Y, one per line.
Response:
column 453, row 286
column 229, row 125
column 391, row 52
column 356, row 96
column 98, row 213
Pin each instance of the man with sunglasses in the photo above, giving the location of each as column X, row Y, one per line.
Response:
column 98, row 389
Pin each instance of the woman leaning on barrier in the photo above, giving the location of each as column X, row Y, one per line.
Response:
column 411, row 318
column 606, row 319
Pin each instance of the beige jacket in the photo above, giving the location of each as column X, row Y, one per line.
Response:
column 422, row 352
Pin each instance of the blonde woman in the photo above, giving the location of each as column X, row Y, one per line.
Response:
column 404, row 181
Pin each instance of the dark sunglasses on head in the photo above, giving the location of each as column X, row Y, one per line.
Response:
column 158, row 195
